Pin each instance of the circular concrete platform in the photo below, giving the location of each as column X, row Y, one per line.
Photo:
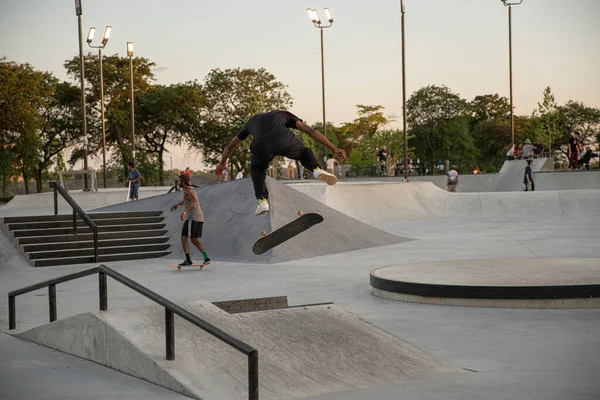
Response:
column 508, row 283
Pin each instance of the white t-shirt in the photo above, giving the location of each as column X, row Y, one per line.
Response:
column 330, row 163
column 452, row 177
column 510, row 152
column 239, row 175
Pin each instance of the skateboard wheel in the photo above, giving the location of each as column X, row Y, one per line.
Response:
column 178, row 269
column 263, row 233
column 300, row 213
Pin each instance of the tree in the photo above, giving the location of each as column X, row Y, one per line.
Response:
column 576, row 116
column 439, row 122
column 167, row 114
column 365, row 155
column 117, row 101
column 231, row 97
column 547, row 115
column 24, row 92
column 431, row 105
column 489, row 106
column 61, row 125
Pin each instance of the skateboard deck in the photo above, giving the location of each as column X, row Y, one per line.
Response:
column 191, row 265
column 267, row 241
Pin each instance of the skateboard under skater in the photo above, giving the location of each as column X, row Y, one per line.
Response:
column 191, row 265
column 267, row 241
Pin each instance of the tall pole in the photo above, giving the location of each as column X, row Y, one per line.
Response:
column 323, row 88
column 102, row 116
column 132, row 109
column 512, row 107
column 79, row 12
column 404, row 97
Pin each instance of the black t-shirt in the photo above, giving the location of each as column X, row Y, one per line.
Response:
column 573, row 144
column 538, row 148
column 527, row 172
column 270, row 130
column 382, row 155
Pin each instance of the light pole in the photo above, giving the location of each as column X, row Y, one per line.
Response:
column 104, row 42
column 130, row 55
column 404, row 96
column 509, row 4
column 79, row 12
column 314, row 17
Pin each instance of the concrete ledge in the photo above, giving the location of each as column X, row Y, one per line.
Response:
column 508, row 283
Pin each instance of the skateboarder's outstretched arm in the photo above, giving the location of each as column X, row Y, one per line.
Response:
column 235, row 142
column 319, row 137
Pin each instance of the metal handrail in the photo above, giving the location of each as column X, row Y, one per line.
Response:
column 170, row 309
column 76, row 211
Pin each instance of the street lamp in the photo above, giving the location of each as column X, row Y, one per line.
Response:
column 402, row 10
column 509, row 4
column 79, row 12
column 104, row 42
column 130, row 55
column 314, row 17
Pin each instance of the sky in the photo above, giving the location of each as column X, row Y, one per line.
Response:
column 462, row 44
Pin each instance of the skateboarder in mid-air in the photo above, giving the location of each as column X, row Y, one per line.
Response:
column 193, row 216
column 272, row 137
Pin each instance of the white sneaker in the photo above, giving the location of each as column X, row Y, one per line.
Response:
column 325, row 176
column 263, row 208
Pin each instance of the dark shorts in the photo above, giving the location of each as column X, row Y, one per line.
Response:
column 196, row 231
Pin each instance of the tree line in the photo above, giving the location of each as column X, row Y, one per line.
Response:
column 40, row 117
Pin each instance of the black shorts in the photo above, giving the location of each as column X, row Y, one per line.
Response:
column 196, row 231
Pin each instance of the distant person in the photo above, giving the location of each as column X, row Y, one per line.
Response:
column 290, row 172
column 188, row 172
column 538, row 150
column 528, row 149
column 452, row 181
column 133, row 177
column 510, row 154
column 518, row 151
column 573, row 151
column 586, row 157
column 330, row 164
column 382, row 158
column 528, row 178
column 192, row 215
column 240, row 175
column 272, row 137
column 223, row 177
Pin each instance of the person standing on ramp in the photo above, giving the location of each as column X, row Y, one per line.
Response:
column 193, row 216
column 272, row 137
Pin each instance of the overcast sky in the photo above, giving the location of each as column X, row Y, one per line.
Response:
column 462, row 44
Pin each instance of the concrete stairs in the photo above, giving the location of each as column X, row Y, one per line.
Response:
column 49, row 240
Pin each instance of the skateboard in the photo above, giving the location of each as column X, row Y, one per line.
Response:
column 191, row 265
column 267, row 241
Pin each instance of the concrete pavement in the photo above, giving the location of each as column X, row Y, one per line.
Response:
column 511, row 353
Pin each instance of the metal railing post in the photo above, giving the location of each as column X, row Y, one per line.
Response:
column 103, row 291
column 12, row 312
column 170, row 334
column 52, row 302
column 95, row 230
column 253, row 375
column 74, row 222
column 55, row 201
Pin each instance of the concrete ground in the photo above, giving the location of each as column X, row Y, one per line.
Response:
column 508, row 353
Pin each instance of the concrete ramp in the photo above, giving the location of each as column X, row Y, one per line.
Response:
column 380, row 202
column 231, row 228
column 303, row 351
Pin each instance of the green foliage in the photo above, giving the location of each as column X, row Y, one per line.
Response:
column 116, row 99
column 166, row 115
column 365, row 155
column 488, row 107
column 439, row 121
column 232, row 96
